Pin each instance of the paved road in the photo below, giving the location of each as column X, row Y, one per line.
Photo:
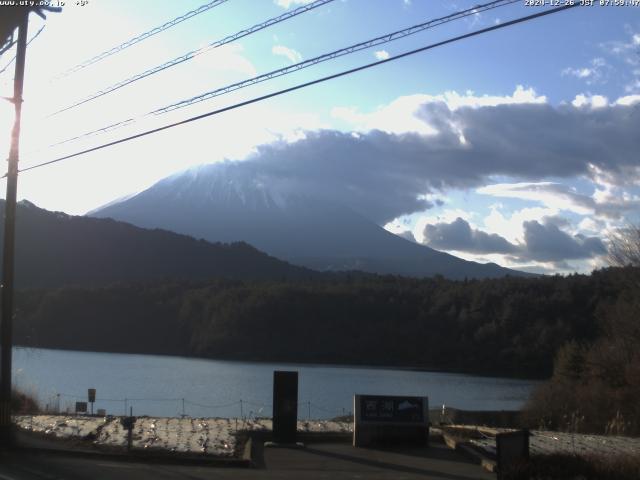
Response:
column 333, row 461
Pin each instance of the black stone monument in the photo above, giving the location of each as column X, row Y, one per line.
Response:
column 285, row 407
column 512, row 449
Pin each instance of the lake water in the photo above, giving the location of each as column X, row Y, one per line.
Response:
column 170, row 386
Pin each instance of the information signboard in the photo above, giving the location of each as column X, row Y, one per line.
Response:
column 81, row 407
column 390, row 419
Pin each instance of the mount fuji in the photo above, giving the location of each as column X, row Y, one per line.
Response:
column 234, row 201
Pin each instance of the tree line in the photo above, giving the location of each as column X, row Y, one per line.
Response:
column 595, row 385
column 508, row 326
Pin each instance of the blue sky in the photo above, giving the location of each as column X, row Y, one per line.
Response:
column 488, row 152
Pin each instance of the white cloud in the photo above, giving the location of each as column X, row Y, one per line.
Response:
column 289, row 3
column 552, row 195
column 293, row 55
column 381, row 54
column 609, row 201
column 597, row 71
column 628, row 100
column 510, row 226
column 227, row 58
column 624, row 49
column 592, row 226
column 592, row 101
column 402, row 115
column 397, row 117
column 455, row 101
column 634, row 85
column 578, row 72
column 628, row 52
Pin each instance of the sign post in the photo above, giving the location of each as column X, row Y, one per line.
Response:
column 91, row 394
column 128, row 424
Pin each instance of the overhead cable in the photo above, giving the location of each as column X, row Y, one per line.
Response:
column 2, row 70
column 298, row 66
column 304, row 85
column 140, row 38
column 335, row 54
column 194, row 53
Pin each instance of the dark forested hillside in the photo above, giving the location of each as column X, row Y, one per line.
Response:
column 512, row 326
column 54, row 249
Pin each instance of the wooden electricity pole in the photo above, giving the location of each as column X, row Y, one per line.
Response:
column 12, row 17
column 6, row 330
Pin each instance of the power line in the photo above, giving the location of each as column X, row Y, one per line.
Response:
column 336, row 54
column 140, row 38
column 227, row 405
column 299, row 66
column 195, row 53
column 9, row 43
column 14, row 57
column 306, row 84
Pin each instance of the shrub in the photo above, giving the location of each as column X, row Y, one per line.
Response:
column 22, row 403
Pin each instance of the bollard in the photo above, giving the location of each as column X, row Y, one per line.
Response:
column 128, row 423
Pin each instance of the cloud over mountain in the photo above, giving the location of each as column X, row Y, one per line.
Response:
column 458, row 235
column 384, row 175
column 547, row 243
column 543, row 242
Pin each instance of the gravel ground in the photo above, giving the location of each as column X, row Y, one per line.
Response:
column 210, row 436
column 545, row 442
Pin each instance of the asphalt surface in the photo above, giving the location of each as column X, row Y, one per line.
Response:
column 333, row 461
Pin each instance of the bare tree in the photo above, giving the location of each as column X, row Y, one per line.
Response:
column 624, row 247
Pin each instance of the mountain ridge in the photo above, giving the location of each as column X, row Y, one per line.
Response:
column 55, row 249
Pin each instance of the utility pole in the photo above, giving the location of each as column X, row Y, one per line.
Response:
column 6, row 330
column 12, row 18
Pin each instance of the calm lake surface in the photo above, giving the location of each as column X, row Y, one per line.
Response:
column 163, row 385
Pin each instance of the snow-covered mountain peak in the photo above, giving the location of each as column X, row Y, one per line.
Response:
column 241, row 201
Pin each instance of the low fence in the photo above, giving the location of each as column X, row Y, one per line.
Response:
column 248, row 409
column 172, row 407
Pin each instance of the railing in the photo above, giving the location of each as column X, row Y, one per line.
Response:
column 64, row 403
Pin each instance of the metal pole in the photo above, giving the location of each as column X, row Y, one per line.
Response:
column 6, row 329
